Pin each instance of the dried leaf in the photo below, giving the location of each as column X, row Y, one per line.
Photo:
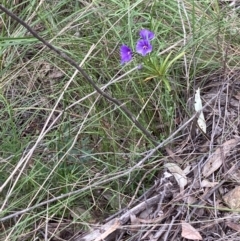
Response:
column 233, row 226
column 232, row 198
column 187, row 169
column 135, row 223
column 190, row 199
column 108, row 230
column 215, row 160
column 178, row 173
column 206, row 183
column 134, row 219
column 198, row 107
column 190, row 232
column 166, row 175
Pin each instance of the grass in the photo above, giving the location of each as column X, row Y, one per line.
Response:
column 87, row 139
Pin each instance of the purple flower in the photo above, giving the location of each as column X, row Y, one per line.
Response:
column 146, row 34
column 125, row 53
column 143, row 47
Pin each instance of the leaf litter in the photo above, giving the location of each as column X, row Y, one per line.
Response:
column 195, row 183
column 216, row 159
column 178, row 173
column 189, row 232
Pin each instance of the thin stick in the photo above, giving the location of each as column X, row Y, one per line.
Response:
column 105, row 180
column 73, row 63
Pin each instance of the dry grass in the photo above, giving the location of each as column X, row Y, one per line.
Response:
column 72, row 161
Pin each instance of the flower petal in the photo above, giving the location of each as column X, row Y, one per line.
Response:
column 143, row 47
column 125, row 53
column 146, row 34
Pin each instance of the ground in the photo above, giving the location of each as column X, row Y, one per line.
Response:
column 92, row 149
